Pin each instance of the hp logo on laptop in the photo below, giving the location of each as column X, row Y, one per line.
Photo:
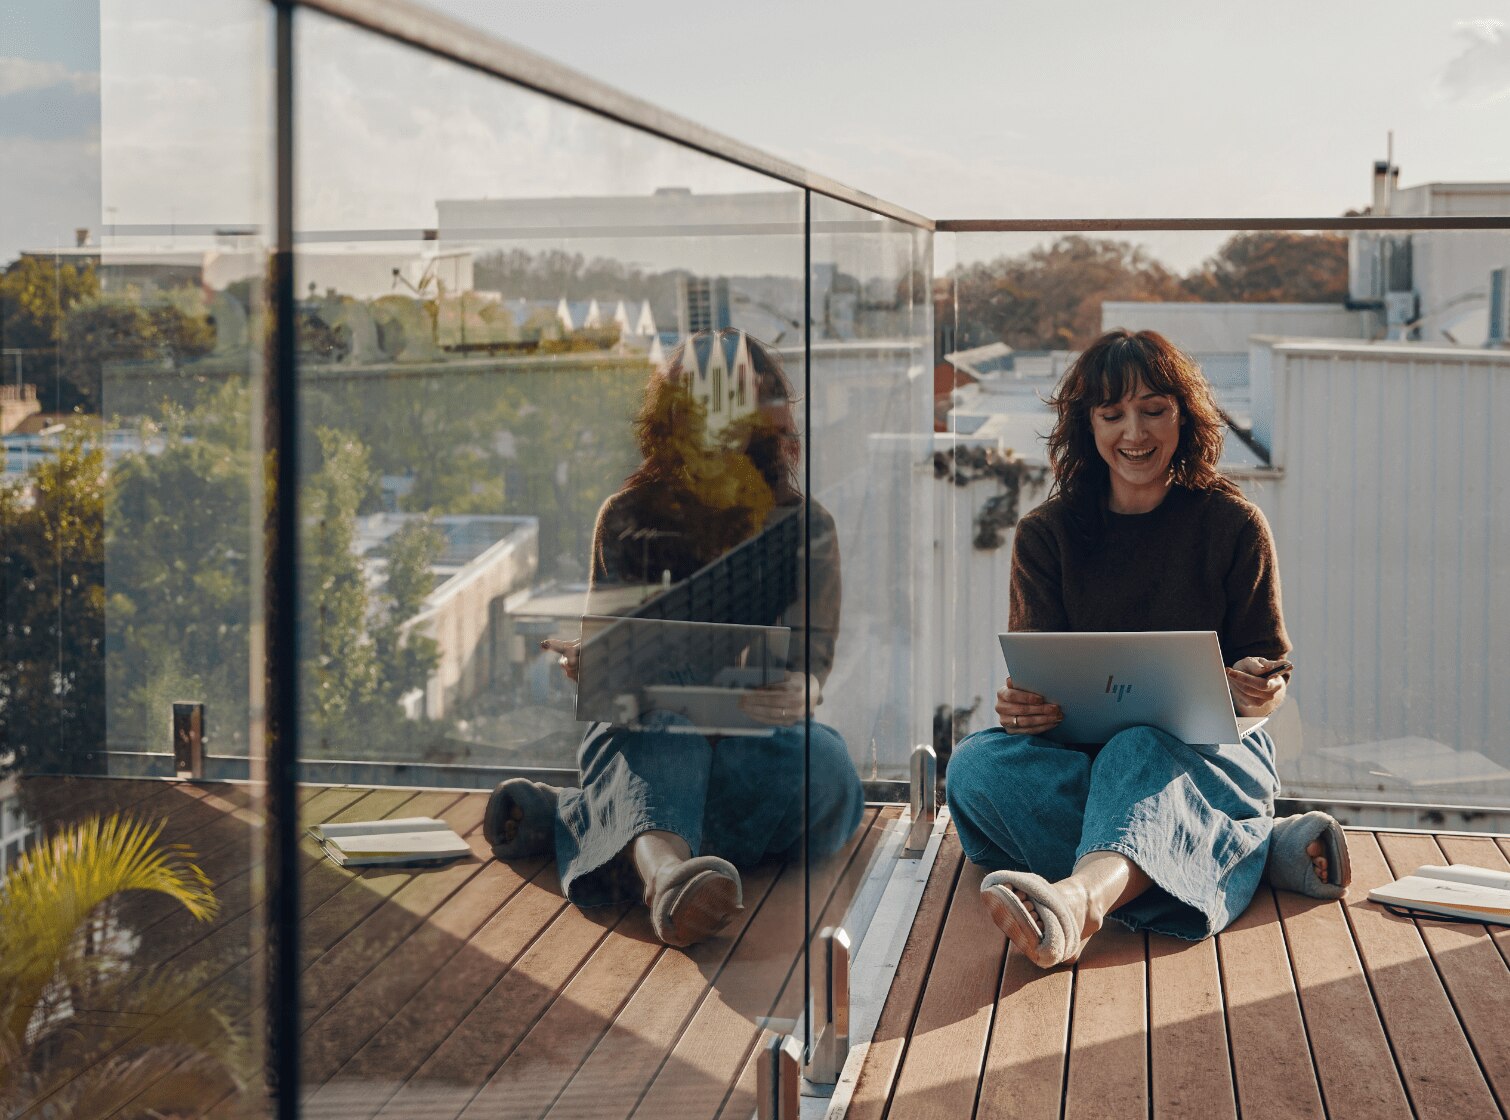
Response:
column 1117, row 690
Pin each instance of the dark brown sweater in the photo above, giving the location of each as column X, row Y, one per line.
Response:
column 1200, row 561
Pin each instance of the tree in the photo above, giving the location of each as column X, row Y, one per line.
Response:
column 360, row 658
column 1278, row 266
column 179, row 547
column 338, row 663
column 405, row 657
column 1050, row 297
column 170, row 328
column 35, row 295
column 52, row 613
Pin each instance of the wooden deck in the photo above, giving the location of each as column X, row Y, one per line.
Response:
column 1301, row 1009
column 469, row 990
column 473, row 990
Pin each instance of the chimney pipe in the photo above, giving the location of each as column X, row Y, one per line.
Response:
column 1381, row 188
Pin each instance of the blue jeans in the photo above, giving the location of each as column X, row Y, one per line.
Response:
column 1195, row 819
column 740, row 798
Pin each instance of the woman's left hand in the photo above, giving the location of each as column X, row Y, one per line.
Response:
column 784, row 703
column 1252, row 693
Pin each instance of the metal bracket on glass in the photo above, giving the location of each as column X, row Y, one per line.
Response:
column 831, row 1045
column 925, row 765
column 188, row 740
column 777, row 1083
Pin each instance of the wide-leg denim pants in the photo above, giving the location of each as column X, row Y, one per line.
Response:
column 739, row 797
column 1196, row 819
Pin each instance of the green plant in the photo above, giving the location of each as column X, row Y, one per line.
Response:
column 1001, row 511
column 62, row 950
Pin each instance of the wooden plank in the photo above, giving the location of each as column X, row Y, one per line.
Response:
column 56, row 800
column 630, row 1053
column 1353, row 1060
column 560, row 1041
column 1472, row 970
column 230, row 937
column 1023, row 1076
column 741, row 1099
column 1271, row 1058
column 358, row 892
column 1441, row 1074
column 421, row 1025
column 413, row 965
column 942, row 1066
column 450, row 1076
column 231, row 799
column 720, row 1039
column 888, row 1045
column 226, row 956
column 366, row 941
column 1108, row 1066
column 831, row 888
column 1189, row 1065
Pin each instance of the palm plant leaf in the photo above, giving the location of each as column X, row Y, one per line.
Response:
column 56, row 885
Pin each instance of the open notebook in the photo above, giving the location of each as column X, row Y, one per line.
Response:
column 401, row 840
column 1475, row 894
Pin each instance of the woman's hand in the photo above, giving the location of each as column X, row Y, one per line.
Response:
column 785, row 702
column 570, row 651
column 1253, row 694
column 1026, row 713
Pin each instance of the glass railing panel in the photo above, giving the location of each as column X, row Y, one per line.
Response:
column 133, row 249
column 552, row 374
column 872, row 496
column 1361, row 375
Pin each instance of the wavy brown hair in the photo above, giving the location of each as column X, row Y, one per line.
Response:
column 671, row 427
column 1105, row 372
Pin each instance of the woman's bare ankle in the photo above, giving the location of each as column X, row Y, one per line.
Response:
column 1080, row 897
column 654, row 851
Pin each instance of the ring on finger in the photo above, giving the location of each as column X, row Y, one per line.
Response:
column 1014, row 722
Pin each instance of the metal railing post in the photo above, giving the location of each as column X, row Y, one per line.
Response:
column 777, row 1095
column 831, row 1043
column 924, row 800
column 188, row 740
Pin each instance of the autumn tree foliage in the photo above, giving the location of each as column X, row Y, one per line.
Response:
column 1274, row 266
column 1050, row 297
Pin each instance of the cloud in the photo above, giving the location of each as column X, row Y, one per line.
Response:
column 21, row 75
column 1480, row 73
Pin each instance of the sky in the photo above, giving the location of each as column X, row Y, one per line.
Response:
column 154, row 111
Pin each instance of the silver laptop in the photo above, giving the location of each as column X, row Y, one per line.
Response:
column 630, row 668
column 1174, row 680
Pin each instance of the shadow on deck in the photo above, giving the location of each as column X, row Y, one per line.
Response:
column 473, row 990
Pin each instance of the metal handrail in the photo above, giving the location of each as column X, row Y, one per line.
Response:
column 1111, row 225
column 416, row 26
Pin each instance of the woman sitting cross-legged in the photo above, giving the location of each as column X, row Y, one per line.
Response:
column 1142, row 532
column 667, row 812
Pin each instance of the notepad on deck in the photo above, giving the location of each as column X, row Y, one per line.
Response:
column 401, row 840
column 1478, row 894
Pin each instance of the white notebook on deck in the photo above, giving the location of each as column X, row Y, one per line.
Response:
column 400, row 840
column 1478, row 894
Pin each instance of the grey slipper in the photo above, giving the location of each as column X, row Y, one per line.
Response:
column 1047, row 942
column 1290, row 869
column 535, row 831
column 695, row 899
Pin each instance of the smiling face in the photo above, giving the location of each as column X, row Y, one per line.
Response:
column 1137, row 437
